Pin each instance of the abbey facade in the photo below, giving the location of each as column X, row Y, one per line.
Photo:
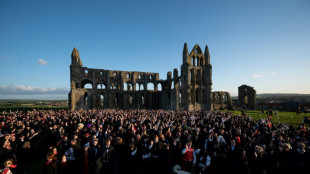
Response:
column 190, row 90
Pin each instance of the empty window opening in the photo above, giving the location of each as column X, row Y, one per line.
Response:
column 128, row 76
column 137, row 87
column 150, row 86
column 193, row 61
column 88, row 86
column 125, row 87
column 85, row 99
column 217, row 99
column 180, row 97
column 245, row 99
column 159, row 87
column 100, row 86
column 225, row 99
column 130, row 99
column 101, row 100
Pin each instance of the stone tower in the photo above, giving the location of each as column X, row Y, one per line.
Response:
column 75, row 73
column 195, row 83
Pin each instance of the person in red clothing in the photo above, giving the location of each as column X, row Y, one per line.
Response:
column 188, row 157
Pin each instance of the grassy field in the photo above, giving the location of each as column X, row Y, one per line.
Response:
column 282, row 117
column 25, row 105
column 22, row 108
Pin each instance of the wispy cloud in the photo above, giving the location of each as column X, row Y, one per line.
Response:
column 30, row 90
column 274, row 73
column 259, row 75
column 42, row 62
column 256, row 76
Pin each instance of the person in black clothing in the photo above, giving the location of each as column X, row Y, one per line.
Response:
column 132, row 159
column 165, row 162
column 258, row 161
column 145, row 153
column 155, row 151
column 241, row 163
column 63, row 165
column 107, row 159
column 94, row 151
column 121, row 151
column 175, row 149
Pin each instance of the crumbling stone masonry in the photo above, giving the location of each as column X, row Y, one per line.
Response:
column 246, row 97
column 144, row 90
column 221, row 100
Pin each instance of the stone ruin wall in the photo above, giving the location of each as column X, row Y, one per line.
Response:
column 191, row 90
column 247, row 97
column 221, row 100
column 118, row 89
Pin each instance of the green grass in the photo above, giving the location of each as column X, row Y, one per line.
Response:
column 282, row 117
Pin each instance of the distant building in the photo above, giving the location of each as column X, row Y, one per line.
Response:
column 270, row 106
column 290, row 106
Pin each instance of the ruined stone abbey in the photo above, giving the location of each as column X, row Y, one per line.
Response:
column 190, row 91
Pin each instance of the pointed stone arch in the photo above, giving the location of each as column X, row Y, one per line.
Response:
column 101, row 86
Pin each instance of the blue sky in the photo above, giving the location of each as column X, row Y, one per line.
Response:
column 264, row 44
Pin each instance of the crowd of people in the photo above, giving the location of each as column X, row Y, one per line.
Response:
column 151, row 141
